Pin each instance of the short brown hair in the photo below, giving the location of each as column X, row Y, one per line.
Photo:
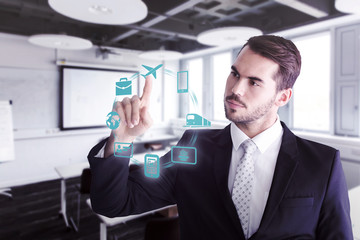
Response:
column 281, row 51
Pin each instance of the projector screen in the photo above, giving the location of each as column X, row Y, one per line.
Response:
column 88, row 95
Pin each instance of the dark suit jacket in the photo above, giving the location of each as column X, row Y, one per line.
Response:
column 308, row 197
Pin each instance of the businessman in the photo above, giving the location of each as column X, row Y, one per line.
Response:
column 254, row 179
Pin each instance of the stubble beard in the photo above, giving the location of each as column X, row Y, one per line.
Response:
column 248, row 117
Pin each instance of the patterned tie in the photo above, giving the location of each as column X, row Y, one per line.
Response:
column 244, row 178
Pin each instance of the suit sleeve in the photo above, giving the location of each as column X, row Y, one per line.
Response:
column 334, row 222
column 116, row 191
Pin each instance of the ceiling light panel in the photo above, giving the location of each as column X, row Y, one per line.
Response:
column 348, row 6
column 60, row 41
column 111, row 12
column 227, row 36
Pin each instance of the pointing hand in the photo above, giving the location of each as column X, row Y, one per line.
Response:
column 134, row 118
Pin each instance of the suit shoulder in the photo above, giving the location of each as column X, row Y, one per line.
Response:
column 313, row 144
column 204, row 132
column 290, row 140
column 206, row 135
column 315, row 149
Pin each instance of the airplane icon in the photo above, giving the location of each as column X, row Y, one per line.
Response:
column 151, row 70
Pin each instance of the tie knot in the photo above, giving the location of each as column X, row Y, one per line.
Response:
column 249, row 146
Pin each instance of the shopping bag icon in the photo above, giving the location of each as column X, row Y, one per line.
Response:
column 123, row 87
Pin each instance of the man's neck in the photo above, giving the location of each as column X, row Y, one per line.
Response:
column 254, row 128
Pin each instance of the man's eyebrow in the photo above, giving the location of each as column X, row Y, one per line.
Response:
column 256, row 79
column 234, row 69
column 251, row 77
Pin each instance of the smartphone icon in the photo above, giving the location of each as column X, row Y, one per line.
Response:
column 152, row 166
column 183, row 82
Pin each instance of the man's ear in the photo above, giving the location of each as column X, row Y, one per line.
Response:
column 283, row 97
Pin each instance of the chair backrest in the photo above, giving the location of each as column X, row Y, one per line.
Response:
column 85, row 180
column 163, row 229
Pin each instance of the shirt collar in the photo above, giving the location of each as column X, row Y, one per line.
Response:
column 262, row 140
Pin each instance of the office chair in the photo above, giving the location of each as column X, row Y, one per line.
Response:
column 163, row 229
column 83, row 189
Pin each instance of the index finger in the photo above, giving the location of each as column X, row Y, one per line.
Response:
column 145, row 98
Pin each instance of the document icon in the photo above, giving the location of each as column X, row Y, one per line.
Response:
column 184, row 155
column 123, row 87
column 124, row 150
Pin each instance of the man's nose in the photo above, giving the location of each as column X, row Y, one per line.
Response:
column 240, row 87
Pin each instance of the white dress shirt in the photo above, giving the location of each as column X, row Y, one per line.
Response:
column 268, row 145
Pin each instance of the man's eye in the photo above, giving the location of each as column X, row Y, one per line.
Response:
column 235, row 74
column 253, row 83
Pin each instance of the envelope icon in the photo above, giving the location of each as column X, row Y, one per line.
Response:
column 123, row 87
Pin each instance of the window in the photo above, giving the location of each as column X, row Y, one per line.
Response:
column 195, row 68
column 170, row 99
column 221, row 70
column 156, row 100
column 311, row 99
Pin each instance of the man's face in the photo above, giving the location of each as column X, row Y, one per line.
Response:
column 250, row 93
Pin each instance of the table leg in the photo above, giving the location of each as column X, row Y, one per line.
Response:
column 63, row 202
column 103, row 231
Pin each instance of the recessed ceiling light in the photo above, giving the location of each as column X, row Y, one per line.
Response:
column 101, row 10
column 111, row 12
column 348, row 6
column 227, row 36
column 161, row 55
column 60, row 41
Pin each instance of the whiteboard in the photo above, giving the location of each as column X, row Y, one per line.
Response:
column 35, row 97
column 88, row 95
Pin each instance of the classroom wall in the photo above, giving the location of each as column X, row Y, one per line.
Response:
column 30, row 78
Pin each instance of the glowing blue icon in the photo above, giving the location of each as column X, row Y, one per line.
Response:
column 195, row 120
column 151, row 70
column 184, row 155
column 152, row 166
column 124, row 150
column 183, row 82
column 123, row 87
column 113, row 120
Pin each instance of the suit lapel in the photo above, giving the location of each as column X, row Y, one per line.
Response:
column 221, row 160
column 285, row 167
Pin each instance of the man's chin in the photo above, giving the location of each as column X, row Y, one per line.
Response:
column 236, row 117
column 231, row 114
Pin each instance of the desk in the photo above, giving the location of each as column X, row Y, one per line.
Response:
column 109, row 222
column 66, row 172
column 75, row 170
column 6, row 192
column 354, row 198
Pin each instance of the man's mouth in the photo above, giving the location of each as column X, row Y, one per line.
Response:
column 233, row 102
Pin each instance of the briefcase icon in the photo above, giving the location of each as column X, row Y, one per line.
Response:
column 123, row 87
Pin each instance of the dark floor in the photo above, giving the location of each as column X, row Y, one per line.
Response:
column 33, row 213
